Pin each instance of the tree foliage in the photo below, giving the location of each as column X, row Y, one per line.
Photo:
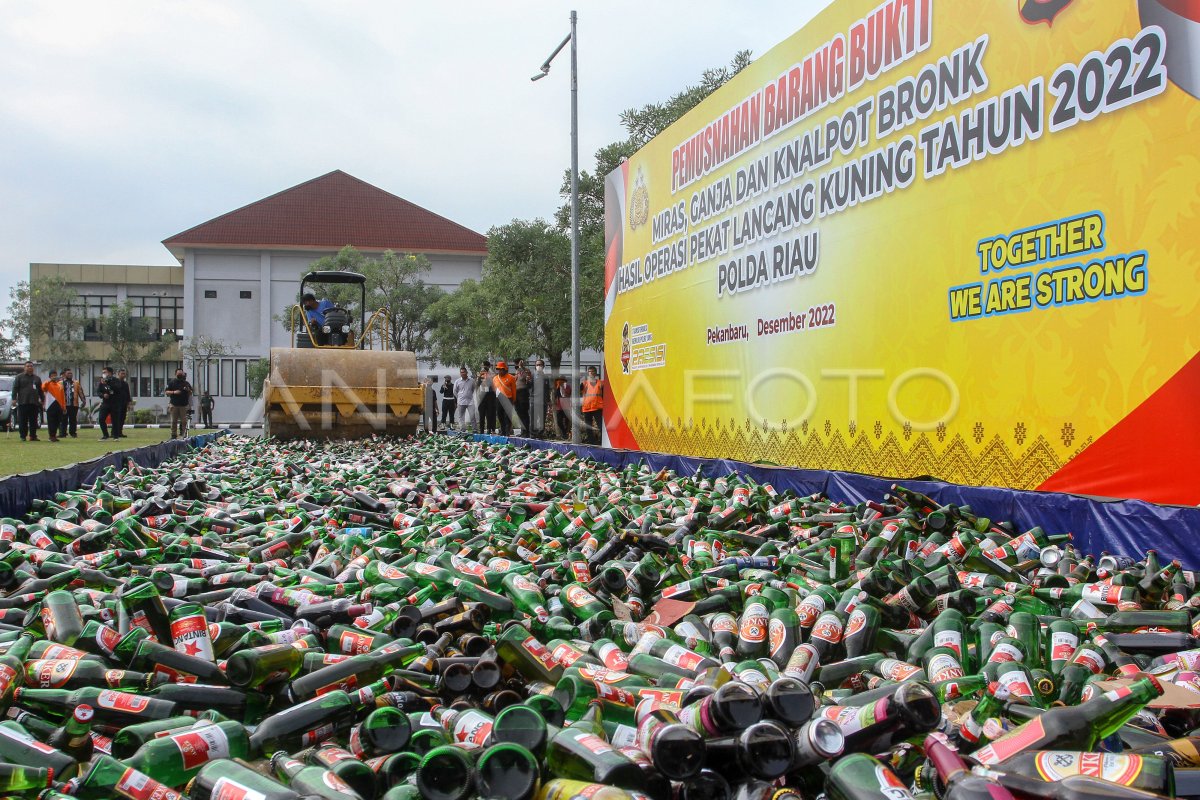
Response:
column 45, row 312
column 198, row 351
column 465, row 326
column 257, row 372
column 130, row 338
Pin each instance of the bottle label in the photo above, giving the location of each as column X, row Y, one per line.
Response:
column 201, row 745
column 1101, row 593
column 139, row 786
column 650, row 699
column 754, row 623
column 810, row 609
column 593, row 743
column 107, row 638
column 7, row 674
column 355, row 643
column 523, row 584
column 725, row 623
column 334, row 782
column 1016, row 681
column 890, row 786
column 61, row 651
column 50, row 673
column 856, row 622
column 896, row 670
column 318, row 735
column 1007, row 746
column 566, row 655
column 613, row 657
column 390, row 572
column 615, row 695
column 540, row 653
column 48, row 623
column 122, row 701
column 1090, row 659
column 1113, row 695
column 828, row 629
column 190, row 635
column 229, row 789
column 1062, row 644
column 1055, row 765
column 624, row 736
column 951, row 639
column 468, row 566
column 471, row 727
column 1005, row 652
column 681, row 657
column 579, row 597
column 943, row 667
column 846, row 717
column 26, row 740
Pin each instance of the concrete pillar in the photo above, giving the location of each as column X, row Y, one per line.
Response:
column 264, row 305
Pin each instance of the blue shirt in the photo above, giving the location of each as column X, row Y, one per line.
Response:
column 316, row 316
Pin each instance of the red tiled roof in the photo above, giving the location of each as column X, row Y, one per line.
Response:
column 331, row 212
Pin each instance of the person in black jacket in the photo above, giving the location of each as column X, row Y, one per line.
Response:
column 107, row 407
column 27, row 402
column 180, row 393
column 121, row 402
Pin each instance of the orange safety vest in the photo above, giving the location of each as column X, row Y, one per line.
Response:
column 593, row 395
column 506, row 385
column 56, row 389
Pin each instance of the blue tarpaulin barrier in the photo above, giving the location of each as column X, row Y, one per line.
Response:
column 16, row 491
column 1128, row 527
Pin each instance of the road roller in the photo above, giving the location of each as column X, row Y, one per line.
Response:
column 333, row 383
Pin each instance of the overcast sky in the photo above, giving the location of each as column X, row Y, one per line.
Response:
column 126, row 122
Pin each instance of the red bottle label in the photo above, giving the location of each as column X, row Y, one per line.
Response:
column 122, row 701
column 139, row 786
column 355, row 643
column 1012, row 743
column 201, row 745
column 317, row 735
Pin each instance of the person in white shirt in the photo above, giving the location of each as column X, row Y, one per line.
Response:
column 464, row 398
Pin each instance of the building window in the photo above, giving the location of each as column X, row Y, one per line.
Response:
column 210, row 294
column 226, row 377
column 245, row 294
column 239, row 377
column 161, row 316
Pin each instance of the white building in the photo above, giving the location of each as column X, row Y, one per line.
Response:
column 156, row 294
column 241, row 269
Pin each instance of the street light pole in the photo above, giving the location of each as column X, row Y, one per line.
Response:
column 576, row 399
column 576, row 427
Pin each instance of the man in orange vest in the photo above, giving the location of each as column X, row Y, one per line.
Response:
column 57, row 406
column 593, row 407
column 506, row 395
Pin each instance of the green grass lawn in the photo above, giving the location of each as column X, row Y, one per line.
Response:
column 17, row 456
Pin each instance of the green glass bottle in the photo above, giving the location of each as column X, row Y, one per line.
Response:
column 107, row 778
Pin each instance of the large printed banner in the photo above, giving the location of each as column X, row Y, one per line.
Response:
column 927, row 237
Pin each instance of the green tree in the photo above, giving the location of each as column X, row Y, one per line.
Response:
column 45, row 315
column 394, row 284
column 130, row 339
column 465, row 326
column 527, row 278
column 199, row 351
column 256, row 373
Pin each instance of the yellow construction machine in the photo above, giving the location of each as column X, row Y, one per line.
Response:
column 332, row 384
